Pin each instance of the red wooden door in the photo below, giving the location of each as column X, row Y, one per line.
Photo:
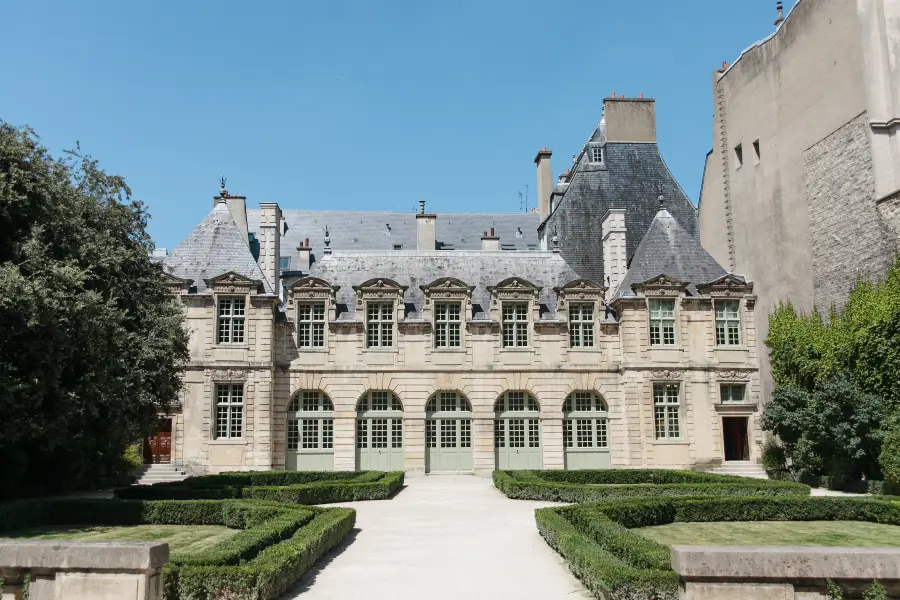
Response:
column 158, row 448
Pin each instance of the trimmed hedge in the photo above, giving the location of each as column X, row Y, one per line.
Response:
column 294, row 487
column 279, row 542
column 618, row 564
column 593, row 485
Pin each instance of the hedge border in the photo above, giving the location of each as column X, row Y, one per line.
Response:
column 278, row 542
column 632, row 483
column 365, row 485
column 615, row 563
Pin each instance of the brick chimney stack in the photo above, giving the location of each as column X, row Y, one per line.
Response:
column 544, row 183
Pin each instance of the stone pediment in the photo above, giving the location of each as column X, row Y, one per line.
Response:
column 380, row 288
column 726, row 286
column 176, row 285
column 661, row 285
column 514, row 285
column 448, row 288
column 232, row 282
column 580, row 289
column 312, row 287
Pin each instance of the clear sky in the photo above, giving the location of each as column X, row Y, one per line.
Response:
column 358, row 104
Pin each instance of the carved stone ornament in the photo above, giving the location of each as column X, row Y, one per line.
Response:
column 726, row 286
column 728, row 374
column 232, row 282
column 514, row 288
column 666, row 373
column 378, row 289
column 661, row 285
column 307, row 288
column 229, row 375
column 447, row 288
column 580, row 289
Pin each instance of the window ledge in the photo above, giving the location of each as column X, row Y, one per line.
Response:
column 585, row 349
column 381, row 350
column 229, row 442
column 232, row 346
column 454, row 350
column 520, row 349
column 674, row 442
column 306, row 350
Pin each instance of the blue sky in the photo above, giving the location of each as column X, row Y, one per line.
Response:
column 358, row 104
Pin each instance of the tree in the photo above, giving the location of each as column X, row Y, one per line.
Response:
column 91, row 342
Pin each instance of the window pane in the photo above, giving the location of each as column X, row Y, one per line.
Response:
column 465, row 433
column 516, row 433
column 431, row 433
column 534, row 433
column 602, row 440
column 328, row 433
column 310, row 433
column 396, row 433
column 584, row 433
column 567, row 433
column 499, row 438
column 448, row 433
column 293, row 434
column 379, row 433
column 362, row 438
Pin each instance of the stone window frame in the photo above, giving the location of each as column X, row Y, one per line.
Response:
column 231, row 386
column 310, row 291
column 730, row 287
column 731, row 385
column 380, row 290
column 510, row 291
column 667, row 412
column 574, row 416
column 663, row 287
column 726, row 320
column 581, row 291
column 300, row 411
column 592, row 158
column 232, row 285
column 447, row 290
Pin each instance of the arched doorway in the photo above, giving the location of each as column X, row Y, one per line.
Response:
column 517, row 432
column 586, row 431
column 379, row 432
column 448, row 434
column 310, row 432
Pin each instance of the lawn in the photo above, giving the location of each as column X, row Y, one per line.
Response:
column 775, row 533
column 184, row 539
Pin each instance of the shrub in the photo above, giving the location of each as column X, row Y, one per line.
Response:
column 774, row 458
column 889, row 459
column 592, row 485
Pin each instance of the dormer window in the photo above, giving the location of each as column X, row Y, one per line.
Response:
column 596, row 154
column 285, row 263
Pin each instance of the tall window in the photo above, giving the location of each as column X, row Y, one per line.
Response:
column 311, row 325
column 728, row 322
column 667, row 411
column 447, row 323
column 380, row 325
column 585, row 422
column 662, row 322
column 581, row 325
column 732, row 392
column 310, row 422
column 515, row 324
column 231, row 321
column 229, row 411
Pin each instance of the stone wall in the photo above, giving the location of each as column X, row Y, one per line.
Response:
column 848, row 238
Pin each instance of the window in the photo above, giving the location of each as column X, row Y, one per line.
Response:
column 380, row 325
column 311, row 325
column 398, row 246
column 447, row 324
column 756, row 152
column 728, row 322
column 667, row 411
column 515, row 324
column 738, row 156
column 284, row 263
column 310, row 421
column 596, row 154
column 229, row 411
column 231, row 321
column 731, row 392
column 662, row 322
column 581, row 325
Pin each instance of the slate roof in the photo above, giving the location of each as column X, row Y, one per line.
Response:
column 669, row 249
column 352, row 230
column 476, row 268
column 632, row 176
column 214, row 247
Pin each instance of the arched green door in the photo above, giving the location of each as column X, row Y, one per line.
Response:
column 379, row 432
column 448, row 434
column 310, row 432
column 517, row 432
column 586, row 431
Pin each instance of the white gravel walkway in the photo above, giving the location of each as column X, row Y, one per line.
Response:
column 444, row 537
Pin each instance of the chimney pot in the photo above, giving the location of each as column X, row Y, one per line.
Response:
column 492, row 232
column 422, row 206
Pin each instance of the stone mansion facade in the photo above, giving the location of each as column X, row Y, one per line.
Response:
column 594, row 333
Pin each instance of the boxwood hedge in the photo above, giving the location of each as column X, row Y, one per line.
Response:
column 618, row 564
column 295, row 487
column 591, row 485
column 277, row 544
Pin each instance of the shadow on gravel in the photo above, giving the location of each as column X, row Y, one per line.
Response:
column 309, row 578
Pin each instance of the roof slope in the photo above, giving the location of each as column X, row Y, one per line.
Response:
column 414, row 269
column 214, row 247
column 668, row 249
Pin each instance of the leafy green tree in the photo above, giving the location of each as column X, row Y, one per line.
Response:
column 91, row 341
column 889, row 459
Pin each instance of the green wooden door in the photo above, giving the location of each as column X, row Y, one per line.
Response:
column 517, row 432
column 310, row 433
column 379, row 432
column 448, row 434
column 586, row 432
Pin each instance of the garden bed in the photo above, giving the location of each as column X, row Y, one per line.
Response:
column 593, row 485
column 295, row 487
column 600, row 542
column 276, row 543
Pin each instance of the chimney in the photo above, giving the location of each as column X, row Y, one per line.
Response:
column 270, row 243
column 303, row 256
column 779, row 6
column 613, row 236
column 630, row 119
column 237, row 206
column 544, row 183
column 425, row 228
column 490, row 242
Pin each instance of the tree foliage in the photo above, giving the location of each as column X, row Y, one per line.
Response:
column 91, row 340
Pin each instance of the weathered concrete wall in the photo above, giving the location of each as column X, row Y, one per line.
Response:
column 782, row 572
column 82, row 570
column 630, row 119
column 848, row 238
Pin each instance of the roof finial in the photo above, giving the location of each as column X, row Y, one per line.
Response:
column 555, row 240
column 222, row 191
column 661, row 197
column 327, row 241
column 779, row 6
